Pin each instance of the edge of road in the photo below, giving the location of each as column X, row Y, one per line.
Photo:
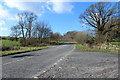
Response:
column 54, row 64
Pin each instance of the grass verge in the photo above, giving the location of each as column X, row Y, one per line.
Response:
column 81, row 47
column 23, row 49
column 114, row 43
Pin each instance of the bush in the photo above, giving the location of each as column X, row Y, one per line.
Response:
column 34, row 42
column 8, row 45
column 81, row 47
column 83, row 38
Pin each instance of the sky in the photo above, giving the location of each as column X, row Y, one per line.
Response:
column 62, row 16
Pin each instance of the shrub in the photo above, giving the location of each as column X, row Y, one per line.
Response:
column 83, row 38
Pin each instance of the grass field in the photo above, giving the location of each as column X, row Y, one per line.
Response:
column 81, row 47
column 23, row 49
column 9, row 43
column 12, row 47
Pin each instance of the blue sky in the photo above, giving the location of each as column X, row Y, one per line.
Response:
column 62, row 16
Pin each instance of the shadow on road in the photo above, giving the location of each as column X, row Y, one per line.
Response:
column 27, row 55
column 19, row 56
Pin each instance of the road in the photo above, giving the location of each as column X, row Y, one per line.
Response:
column 61, row 61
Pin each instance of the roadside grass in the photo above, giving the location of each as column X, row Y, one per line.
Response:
column 13, row 47
column 81, row 47
column 22, row 50
column 6, row 37
column 114, row 43
column 10, row 43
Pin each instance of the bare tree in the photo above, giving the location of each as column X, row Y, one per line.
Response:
column 42, row 30
column 71, row 34
column 83, row 37
column 26, row 20
column 22, row 23
column 15, row 31
column 98, row 15
column 56, row 37
column 66, row 38
column 31, row 17
column 113, row 34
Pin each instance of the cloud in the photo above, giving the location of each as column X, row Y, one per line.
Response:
column 14, row 17
column 60, row 6
column 34, row 7
column 13, row 4
column 3, row 12
column 2, row 22
column 4, row 29
column 84, row 24
column 40, row 7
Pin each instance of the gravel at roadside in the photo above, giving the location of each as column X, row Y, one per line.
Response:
column 82, row 64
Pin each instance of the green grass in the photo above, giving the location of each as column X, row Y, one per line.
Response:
column 60, row 42
column 114, row 43
column 81, row 47
column 6, row 37
column 8, row 43
column 24, row 49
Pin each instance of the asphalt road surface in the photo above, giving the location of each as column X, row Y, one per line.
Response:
column 61, row 61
